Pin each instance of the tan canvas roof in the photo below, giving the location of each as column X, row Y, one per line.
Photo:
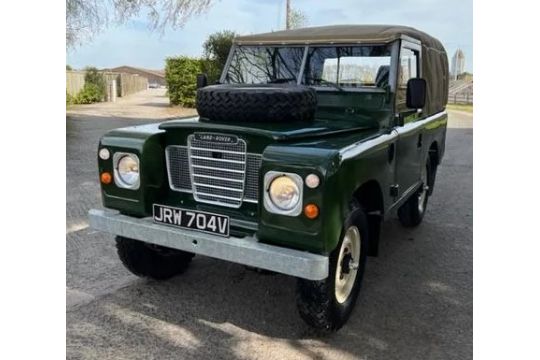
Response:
column 434, row 60
column 341, row 34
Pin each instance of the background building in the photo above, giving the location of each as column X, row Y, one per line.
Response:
column 153, row 76
column 458, row 64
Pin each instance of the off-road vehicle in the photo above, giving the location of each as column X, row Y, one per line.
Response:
column 311, row 138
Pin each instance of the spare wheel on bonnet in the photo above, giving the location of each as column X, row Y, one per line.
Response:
column 256, row 103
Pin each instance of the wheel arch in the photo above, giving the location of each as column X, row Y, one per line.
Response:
column 434, row 154
column 370, row 197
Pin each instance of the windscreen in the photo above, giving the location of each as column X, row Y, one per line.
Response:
column 265, row 65
column 348, row 66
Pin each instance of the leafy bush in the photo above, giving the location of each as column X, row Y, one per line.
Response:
column 94, row 89
column 90, row 94
column 216, row 50
column 70, row 100
column 212, row 69
column 96, row 82
column 181, row 72
column 181, row 76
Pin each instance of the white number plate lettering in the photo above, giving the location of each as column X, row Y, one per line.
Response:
column 193, row 220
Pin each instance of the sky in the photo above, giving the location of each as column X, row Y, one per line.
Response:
column 134, row 44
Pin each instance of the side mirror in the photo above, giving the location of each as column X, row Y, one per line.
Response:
column 416, row 93
column 202, row 80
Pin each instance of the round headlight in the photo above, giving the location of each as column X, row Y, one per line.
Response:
column 128, row 170
column 284, row 192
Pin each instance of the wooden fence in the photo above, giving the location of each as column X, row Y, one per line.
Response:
column 130, row 84
column 126, row 84
column 460, row 92
column 461, row 98
column 74, row 82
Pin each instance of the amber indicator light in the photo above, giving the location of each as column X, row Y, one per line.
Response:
column 106, row 178
column 311, row 211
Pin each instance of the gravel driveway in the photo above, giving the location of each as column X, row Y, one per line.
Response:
column 416, row 302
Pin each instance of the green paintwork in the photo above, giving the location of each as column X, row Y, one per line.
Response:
column 347, row 145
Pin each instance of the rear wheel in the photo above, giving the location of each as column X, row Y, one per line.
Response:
column 152, row 261
column 327, row 304
column 412, row 212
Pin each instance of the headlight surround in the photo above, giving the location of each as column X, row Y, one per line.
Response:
column 126, row 170
column 283, row 193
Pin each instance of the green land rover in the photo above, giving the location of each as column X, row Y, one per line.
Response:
column 308, row 142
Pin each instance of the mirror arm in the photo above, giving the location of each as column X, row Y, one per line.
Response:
column 400, row 119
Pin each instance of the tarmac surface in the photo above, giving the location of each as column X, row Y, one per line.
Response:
column 416, row 301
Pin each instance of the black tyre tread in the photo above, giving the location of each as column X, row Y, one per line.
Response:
column 431, row 178
column 313, row 305
column 408, row 213
column 144, row 261
column 256, row 103
column 316, row 300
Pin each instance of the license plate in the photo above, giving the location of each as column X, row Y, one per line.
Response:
column 193, row 220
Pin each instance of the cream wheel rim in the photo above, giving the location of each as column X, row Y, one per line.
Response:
column 347, row 264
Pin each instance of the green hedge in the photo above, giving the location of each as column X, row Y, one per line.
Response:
column 181, row 76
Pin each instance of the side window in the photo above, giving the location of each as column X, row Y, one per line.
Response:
column 408, row 69
column 408, row 66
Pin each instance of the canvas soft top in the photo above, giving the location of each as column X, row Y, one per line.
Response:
column 341, row 34
column 434, row 59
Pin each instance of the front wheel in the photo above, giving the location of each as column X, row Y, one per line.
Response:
column 152, row 261
column 327, row 304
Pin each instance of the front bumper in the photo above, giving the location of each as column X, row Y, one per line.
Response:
column 246, row 251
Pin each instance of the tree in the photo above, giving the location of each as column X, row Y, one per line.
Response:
column 297, row 19
column 86, row 18
column 294, row 18
column 216, row 50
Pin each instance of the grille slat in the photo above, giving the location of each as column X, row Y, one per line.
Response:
column 222, row 160
column 234, row 184
column 216, row 173
column 217, row 178
column 218, row 196
column 217, row 187
column 216, row 168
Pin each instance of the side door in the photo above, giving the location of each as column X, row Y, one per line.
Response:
column 409, row 143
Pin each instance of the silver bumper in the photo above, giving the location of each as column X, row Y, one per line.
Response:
column 246, row 251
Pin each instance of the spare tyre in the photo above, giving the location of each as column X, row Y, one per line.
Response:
column 256, row 103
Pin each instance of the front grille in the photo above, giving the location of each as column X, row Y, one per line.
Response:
column 178, row 168
column 216, row 173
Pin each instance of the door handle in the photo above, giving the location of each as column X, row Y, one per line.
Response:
column 419, row 143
